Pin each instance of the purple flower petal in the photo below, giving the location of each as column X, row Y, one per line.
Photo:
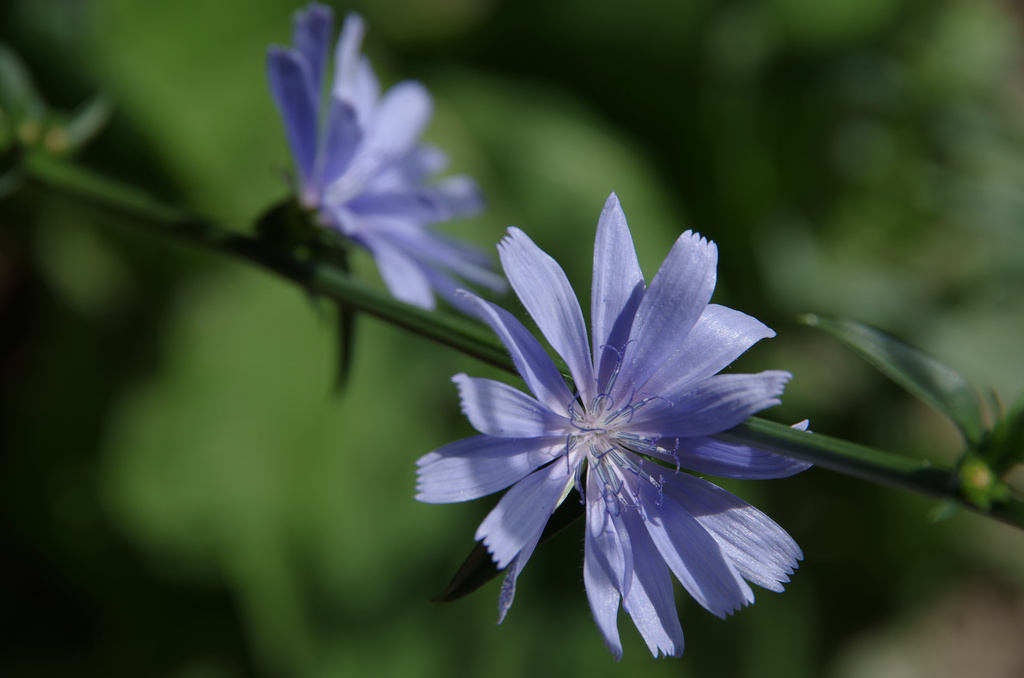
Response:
column 508, row 585
column 449, row 199
column 340, row 143
column 761, row 551
column 617, row 288
column 676, row 298
column 416, row 204
column 423, row 161
column 608, row 533
column 436, row 254
column 531, row 361
column 605, row 567
column 347, row 54
column 466, row 252
column 354, row 80
column 311, row 35
column 727, row 460
column 481, row 465
column 451, row 290
column 462, row 259
column 692, row 553
column 366, row 92
column 541, row 285
column 650, row 601
column 391, row 132
column 290, row 86
column 523, row 512
column 460, row 197
column 398, row 121
column 603, row 597
column 497, row 409
column 402, row 275
column 713, row 406
column 720, row 336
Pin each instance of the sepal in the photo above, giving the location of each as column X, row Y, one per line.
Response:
column 478, row 568
column 290, row 228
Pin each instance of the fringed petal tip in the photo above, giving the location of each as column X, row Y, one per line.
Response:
column 500, row 559
column 427, row 459
column 462, row 382
column 314, row 11
column 353, row 30
column 694, row 238
column 357, row 21
column 782, row 377
column 516, row 523
column 312, row 24
column 480, row 465
column 496, row 409
column 512, row 235
column 667, row 652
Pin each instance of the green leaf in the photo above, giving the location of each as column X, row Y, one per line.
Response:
column 88, row 121
column 925, row 377
column 945, row 510
column 346, row 346
column 18, row 95
column 346, row 325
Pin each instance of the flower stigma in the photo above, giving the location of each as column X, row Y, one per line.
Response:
column 612, row 454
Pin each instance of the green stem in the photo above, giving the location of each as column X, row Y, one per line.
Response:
column 446, row 328
column 837, row 455
column 859, row 461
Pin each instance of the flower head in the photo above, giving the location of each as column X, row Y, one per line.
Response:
column 361, row 167
column 648, row 399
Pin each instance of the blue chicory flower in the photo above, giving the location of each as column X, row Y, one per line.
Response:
column 650, row 392
column 361, row 167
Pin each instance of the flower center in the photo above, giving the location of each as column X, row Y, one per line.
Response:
column 612, row 453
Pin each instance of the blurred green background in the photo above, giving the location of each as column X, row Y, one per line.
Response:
column 181, row 496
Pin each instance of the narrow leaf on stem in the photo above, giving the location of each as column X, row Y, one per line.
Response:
column 924, row 376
